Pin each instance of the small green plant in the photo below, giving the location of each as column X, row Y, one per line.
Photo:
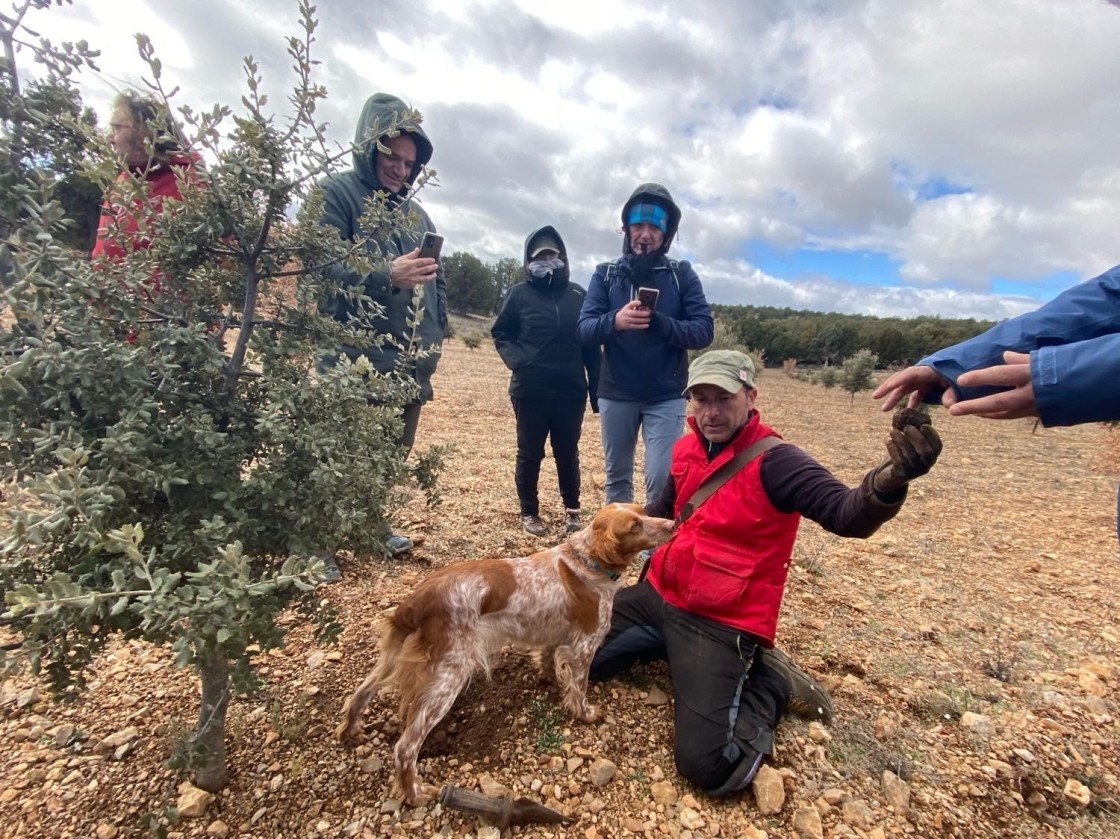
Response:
column 858, row 373
column 829, row 376
column 185, row 752
column 547, row 720
column 297, row 766
column 1001, row 659
column 639, row 778
column 156, row 824
column 961, row 699
column 289, row 725
column 472, row 340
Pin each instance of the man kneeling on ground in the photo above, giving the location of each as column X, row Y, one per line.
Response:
column 709, row 604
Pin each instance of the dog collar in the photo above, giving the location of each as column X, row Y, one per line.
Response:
column 595, row 566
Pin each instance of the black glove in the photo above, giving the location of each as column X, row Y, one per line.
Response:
column 641, row 270
column 911, row 453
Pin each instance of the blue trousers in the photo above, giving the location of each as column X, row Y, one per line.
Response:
column 661, row 424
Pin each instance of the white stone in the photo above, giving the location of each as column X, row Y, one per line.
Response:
column 690, row 819
column 856, row 813
column 978, row 724
column 896, row 791
column 117, row 739
column 807, row 823
column 769, row 791
column 818, row 733
column 1077, row 792
column 192, row 801
column 663, row 792
column 602, row 772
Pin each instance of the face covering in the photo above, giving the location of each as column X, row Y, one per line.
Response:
column 544, row 267
column 641, row 269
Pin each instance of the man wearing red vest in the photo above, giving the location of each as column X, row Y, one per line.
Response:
column 709, row 605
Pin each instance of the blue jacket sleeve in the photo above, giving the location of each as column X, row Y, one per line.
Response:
column 596, row 318
column 695, row 329
column 1076, row 383
column 1074, row 342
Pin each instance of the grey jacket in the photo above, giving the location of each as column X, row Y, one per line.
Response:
column 345, row 196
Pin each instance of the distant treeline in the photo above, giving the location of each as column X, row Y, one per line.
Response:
column 475, row 287
column 830, row 338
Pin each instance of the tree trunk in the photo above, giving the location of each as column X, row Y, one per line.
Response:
column 209, row 738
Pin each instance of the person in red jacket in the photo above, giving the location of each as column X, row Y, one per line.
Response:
column 154, row 165
column 709, row 604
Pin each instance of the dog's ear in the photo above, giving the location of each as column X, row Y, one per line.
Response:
column 605, row 530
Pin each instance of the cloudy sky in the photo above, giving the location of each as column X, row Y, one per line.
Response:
column 890, row 157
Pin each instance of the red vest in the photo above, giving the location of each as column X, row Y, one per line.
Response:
column 729, row 561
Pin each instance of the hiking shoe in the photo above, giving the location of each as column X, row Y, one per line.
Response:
column 331, row 572
column 741, row 775
column 572, row 521
column 397, row 544
column 534, row 525
column 807, row 699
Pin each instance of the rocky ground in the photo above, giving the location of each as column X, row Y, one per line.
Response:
column 970, row 646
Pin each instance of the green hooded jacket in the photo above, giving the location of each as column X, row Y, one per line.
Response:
column 344, row 198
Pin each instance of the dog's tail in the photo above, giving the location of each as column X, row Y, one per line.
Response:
column 387, row 670
column 392, row 640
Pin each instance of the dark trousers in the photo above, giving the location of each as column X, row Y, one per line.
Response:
column 410, row 416
column 726, row 701
column 561, row 421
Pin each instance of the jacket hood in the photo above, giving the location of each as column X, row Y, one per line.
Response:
column 558, row 279
column 653, row 194
column 380, row 112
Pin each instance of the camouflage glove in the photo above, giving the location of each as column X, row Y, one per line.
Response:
column 911, row 452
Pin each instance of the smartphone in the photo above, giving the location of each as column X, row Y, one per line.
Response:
column 648, row 297
column 430, row 245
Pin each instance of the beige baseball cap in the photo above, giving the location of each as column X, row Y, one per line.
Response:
column 728, row 369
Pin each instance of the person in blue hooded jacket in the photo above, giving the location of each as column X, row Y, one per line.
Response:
column 645, row 348
column 1059, row 363
column 552, row 374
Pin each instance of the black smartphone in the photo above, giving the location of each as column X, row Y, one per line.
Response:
column 648, row 297
column 430, row 245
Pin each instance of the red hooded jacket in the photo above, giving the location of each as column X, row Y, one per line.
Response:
column 131, row 223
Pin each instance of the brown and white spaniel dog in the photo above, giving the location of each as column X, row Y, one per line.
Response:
column 557, row 600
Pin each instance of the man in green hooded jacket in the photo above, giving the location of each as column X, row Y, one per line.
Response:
column 399, row 268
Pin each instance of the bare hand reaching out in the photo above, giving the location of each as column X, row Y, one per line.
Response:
column 916, row 381
column 1018, row 402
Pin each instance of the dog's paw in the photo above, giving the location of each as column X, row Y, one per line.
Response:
column 421, row 794
column 591, row 714
column 349, row 735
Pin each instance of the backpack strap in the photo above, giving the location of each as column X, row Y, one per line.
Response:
column 676, row 280
column 722, row 475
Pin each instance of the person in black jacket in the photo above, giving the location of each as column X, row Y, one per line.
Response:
column 535, row 334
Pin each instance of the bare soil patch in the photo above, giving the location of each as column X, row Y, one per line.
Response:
column 971, row 648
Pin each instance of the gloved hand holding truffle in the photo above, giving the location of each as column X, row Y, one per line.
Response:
column 911, row 452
